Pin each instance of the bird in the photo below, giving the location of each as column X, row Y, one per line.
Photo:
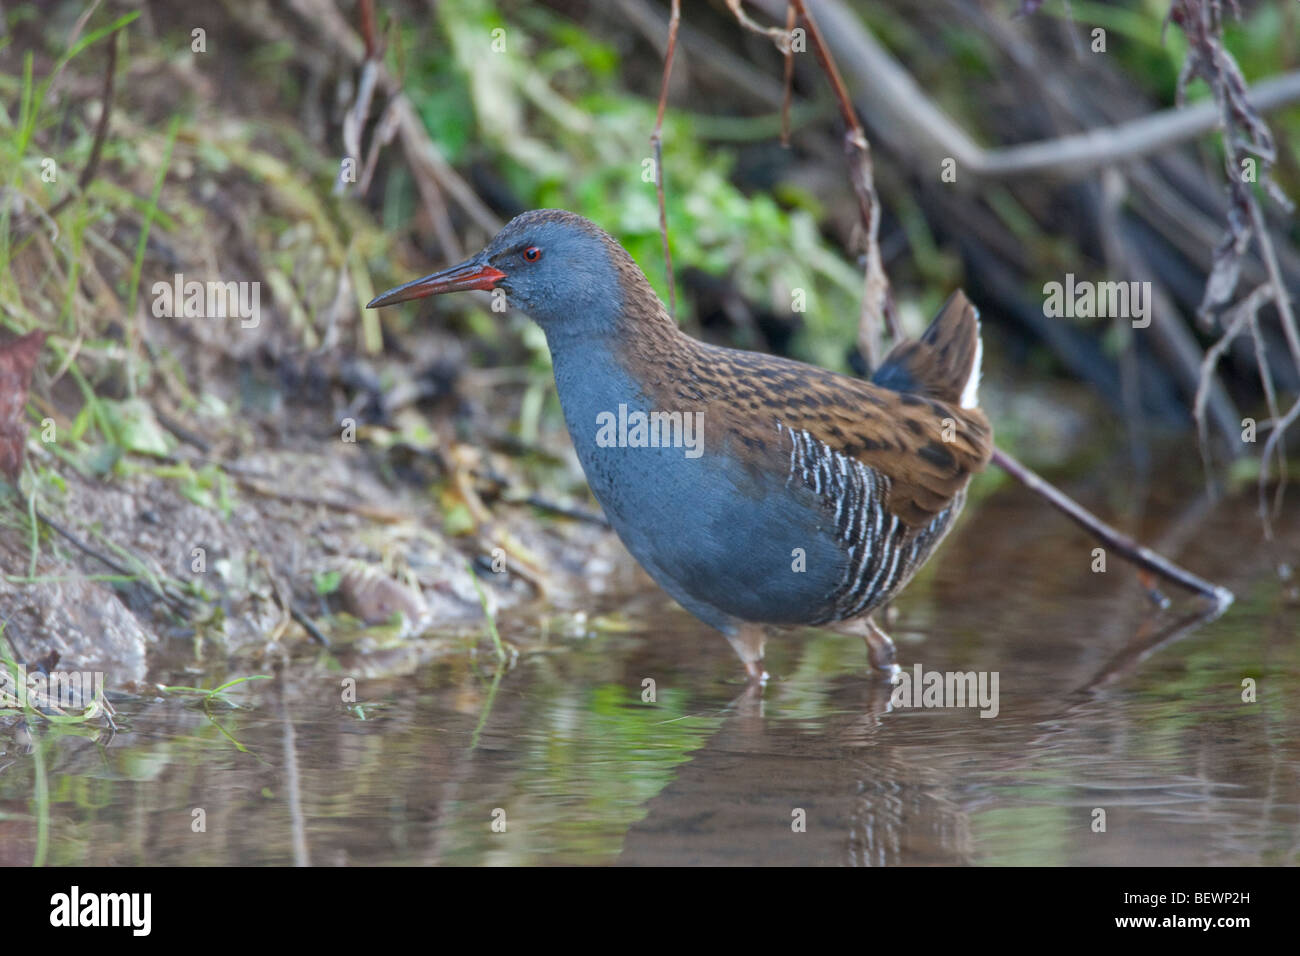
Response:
column 758, row 491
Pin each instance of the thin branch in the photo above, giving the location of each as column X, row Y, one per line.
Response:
column 355, row 120
column 656, row 140
column 1241, row 316
column 1270, row 400
column 308, row 625
column 877, row 300
column 1282, row 298
column 368, row 31
column 791, row 19
column 1116, row 540
column 1245, row 133
column 101, row 130
column 1282, row 302
column 778, row 36
column 384, row 132
column 422, row 153
column 177, row 601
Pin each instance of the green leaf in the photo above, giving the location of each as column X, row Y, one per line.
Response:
column 136, row 428
column 327, row 582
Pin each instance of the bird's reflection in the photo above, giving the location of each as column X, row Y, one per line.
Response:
column 866, row 784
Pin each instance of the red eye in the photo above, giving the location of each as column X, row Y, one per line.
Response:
column 532, row 254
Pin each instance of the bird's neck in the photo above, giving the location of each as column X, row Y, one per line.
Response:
column 630, row 323
column 617, row 357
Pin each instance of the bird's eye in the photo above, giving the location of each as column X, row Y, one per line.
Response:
column 532, row 254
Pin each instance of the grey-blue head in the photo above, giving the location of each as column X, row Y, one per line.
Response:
column 563, row 271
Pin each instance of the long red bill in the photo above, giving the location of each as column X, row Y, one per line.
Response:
column 467, row 275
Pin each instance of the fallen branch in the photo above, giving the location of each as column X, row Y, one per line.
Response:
column 1116, row 540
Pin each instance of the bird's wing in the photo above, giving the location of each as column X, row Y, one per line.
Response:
column 927, row 448
column 914, row 426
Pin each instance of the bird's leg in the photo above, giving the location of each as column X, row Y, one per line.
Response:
column 880, row 648
column 747, row 642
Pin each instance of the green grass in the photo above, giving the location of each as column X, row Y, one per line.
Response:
column 208, row 696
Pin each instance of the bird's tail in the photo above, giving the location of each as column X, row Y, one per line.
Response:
column 944, row 363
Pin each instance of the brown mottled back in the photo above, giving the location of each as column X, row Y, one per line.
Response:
column 923, row 440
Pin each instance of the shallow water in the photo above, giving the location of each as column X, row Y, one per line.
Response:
column 564, row 752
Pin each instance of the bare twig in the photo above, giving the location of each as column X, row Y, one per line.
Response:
column 656, row 140
column 1247, row 142
column 1119, row 542
column 778, row 36
column 308, row 625
column 1274, row 447
column 422, row 154
column 791, row 18
column 384, row 132
column 1282, row 301
column 877, row 300
column 369, row 33
column 355, row 120
column 177, row 601
column 101, row 130
column 1241, row 317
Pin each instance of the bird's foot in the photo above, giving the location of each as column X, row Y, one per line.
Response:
column 880, row 651
column 747, row 642
column 888, row 672
column 756, row 673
